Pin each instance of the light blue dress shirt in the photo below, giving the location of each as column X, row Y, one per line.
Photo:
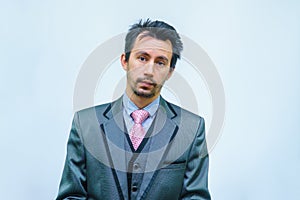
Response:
column 129, row 107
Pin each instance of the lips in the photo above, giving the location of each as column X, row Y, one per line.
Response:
column 146, row 83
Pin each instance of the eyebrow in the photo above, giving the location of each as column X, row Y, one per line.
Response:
column 142, row 53
column 163, row 58
column 148, row 55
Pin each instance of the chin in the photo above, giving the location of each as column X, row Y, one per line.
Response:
column 144, row 94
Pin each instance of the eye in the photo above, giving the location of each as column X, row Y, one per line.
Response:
column 142, row 58
column 161, row 63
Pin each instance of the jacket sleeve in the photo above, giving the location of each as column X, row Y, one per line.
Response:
column 195, row 185
column 73, row 181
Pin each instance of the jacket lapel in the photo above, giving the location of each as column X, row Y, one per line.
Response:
column 164, row 130
column 114, row 130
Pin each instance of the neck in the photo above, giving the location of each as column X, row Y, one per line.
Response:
column 139, row 101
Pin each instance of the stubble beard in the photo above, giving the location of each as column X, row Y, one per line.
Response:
column 148, row 95
column 156, row 89
column 143, row 94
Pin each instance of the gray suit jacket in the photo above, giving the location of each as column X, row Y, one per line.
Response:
column 171, row 163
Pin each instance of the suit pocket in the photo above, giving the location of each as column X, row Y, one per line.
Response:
column 174, row 166
column 168, row 182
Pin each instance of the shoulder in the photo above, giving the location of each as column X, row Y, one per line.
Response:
column 182, row 112
column 101, row 112
column 93, row 109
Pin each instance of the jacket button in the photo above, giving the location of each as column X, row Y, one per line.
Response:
column 134, row 188
column 136, row 166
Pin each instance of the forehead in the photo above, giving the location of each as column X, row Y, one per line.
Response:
column 151, row 44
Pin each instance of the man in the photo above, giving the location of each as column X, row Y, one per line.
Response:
column 139, row 146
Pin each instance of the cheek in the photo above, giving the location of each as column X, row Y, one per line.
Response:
column 133, row 74
column 162, row 78
column 166, row 75
column 135, row 71
column 133, row 64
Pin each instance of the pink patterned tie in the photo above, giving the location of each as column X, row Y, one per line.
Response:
column 137, row 132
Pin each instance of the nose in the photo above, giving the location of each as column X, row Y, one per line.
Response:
column 149, row 69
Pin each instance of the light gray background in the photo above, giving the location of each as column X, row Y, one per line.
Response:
column 254, row 44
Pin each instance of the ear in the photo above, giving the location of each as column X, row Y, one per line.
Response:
column 171, row 70
column 124, row 62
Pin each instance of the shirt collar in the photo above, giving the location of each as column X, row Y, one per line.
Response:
column 129, row 106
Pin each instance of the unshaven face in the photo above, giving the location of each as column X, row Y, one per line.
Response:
column 148, row 66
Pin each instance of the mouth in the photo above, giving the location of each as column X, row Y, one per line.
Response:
column 146, row 84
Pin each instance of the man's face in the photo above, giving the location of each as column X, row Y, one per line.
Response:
column 148, row 66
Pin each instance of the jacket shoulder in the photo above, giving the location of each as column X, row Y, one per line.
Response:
column 93, row 114
column 98, row 108
column 183, row 112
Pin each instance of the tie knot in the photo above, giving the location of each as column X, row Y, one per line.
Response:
column 139, row 116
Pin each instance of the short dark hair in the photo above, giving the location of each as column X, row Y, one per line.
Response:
column 156, row 29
